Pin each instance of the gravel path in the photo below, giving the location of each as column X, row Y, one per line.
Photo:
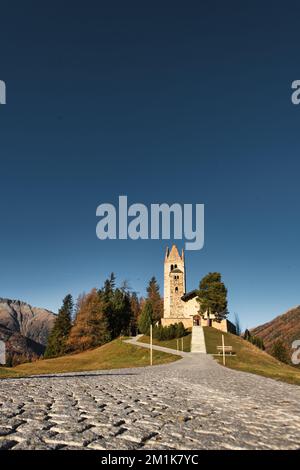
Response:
column 136, row 342
column 193, row 403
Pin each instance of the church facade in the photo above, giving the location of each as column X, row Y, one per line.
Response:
column 182, row 306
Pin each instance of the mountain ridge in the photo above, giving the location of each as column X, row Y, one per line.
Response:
column 285, row 327
column 24, row 328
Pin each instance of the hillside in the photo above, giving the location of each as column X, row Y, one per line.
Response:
column 20, row 347
column 113, row 355
column 285, row 327
column 24, row 329
column 32, row 322
column 249, row 358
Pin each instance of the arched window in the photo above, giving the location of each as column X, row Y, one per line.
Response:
column 176, row 289
column 175, row 266
column 172, row 267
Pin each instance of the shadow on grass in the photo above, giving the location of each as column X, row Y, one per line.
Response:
column 68, row 375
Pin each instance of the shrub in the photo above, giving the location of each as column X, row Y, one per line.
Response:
column 280, row 352
column 162, row 333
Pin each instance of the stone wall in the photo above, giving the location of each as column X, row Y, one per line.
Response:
column 187, row 322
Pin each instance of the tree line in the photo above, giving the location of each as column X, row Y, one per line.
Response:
column 101, row 316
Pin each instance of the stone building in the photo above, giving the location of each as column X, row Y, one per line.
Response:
column 179, row 305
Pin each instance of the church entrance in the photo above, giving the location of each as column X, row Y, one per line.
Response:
column 196, row 320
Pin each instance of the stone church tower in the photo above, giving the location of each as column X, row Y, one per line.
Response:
column 174, row 283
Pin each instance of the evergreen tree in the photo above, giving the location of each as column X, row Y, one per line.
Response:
column 135, row 313
column 120, row 313
column 146, row 318
column 255, row 340
column 155, row 299
column 212, row 296
column 280, row 352
column 109, row 288
column 58, row 337
column 117, row 307
column 237, row 324
column 180, row 330
column 247, row 335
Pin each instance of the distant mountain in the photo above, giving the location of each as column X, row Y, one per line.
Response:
column 285, row 327
column 31, row 322
column 18, row 348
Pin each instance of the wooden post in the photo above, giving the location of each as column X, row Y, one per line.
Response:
column 151, row 356
column 177, row 342
column 182, row 344
column 223, row 347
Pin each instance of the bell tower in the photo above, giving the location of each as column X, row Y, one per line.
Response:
column 174, row 283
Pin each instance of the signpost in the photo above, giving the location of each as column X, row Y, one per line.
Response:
column 151, row 356
column 223, row 347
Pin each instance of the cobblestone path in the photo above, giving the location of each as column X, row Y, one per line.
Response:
column 190, row 404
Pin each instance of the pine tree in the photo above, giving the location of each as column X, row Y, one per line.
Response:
column 146, row 318
column 212, row 296
column 280, row 352
column 135, row 313
column 247, row 335
column 155, row 299
column 109, row 288
column 58, row 337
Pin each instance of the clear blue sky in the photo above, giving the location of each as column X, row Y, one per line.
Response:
column 165, row 102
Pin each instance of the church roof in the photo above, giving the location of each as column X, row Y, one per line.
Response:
column 173, row 254
column 189, row 295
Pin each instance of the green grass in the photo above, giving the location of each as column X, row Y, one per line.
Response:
column 114, row 355
column 249, row 358
column 170, row 343
column 7, row 372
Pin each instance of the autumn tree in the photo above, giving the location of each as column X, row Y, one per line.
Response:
column 57, row 341
column 91, row 326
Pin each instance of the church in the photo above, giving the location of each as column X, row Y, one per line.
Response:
column 182, row 306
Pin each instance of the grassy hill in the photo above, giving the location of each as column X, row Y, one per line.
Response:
column 114, row 355
column 170, row 343
column 285, row 327
column 249, row 358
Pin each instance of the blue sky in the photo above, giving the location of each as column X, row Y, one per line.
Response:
column 163, row 102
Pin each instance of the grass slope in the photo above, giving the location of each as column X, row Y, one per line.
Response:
column 114, row 355
column 249, row 358
column 170, row 343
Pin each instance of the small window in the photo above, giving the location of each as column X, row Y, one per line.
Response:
column 176, row 289
column 172, row 267
column 175, row 266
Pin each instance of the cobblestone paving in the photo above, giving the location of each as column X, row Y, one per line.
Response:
column 191, row 404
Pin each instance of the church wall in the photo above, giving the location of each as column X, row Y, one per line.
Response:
column 187, row 322
column 190, row 308
column 225, row 325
